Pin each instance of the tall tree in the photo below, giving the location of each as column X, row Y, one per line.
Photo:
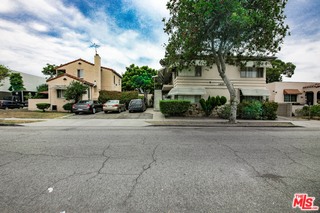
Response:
column 16, row 82
column 75, row 90
column 140, row 78
column 49, row 70
column 279, row 69
column 214, row 30
column 42, row 88
column 4, row 73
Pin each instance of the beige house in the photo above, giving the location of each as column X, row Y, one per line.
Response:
column 200, row 82
column 95, row 76
column 296, row 94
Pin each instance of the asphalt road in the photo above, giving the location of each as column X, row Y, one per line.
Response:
column 99, row 169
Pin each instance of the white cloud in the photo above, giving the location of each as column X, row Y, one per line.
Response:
column 26, row 47
column 304, row 53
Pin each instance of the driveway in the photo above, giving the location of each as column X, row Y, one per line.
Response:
column 115, row 115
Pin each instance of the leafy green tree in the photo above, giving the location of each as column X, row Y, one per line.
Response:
column 16, row 82
column 42, row 88
column 279, row 68
column 138, row 78
column 49, row 70
column 75, row 91
column 4, row 73
column 214, row 30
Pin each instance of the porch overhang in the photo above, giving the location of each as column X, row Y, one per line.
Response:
column 187, row 91
column 255, row 92
column 291, row 92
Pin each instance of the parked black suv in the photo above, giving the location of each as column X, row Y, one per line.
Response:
column 7, row 104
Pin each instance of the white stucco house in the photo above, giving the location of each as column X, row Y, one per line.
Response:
column 198, row 82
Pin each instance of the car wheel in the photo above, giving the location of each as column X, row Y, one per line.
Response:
column 106, row 112
column 77, row 113
column 93, row 110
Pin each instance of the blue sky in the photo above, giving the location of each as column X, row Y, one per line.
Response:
column 36, row 32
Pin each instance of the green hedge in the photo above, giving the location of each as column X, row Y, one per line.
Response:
column 174, row 107
column 254, row 110
column 124, row 97
column 43, row 106
column 269, row 110
column 312, row 111
column 250, row 110
column 68, row 106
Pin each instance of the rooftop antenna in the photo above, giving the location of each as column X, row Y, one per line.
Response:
column 95, row 46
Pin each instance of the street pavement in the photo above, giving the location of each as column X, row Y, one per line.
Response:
column 156, row 169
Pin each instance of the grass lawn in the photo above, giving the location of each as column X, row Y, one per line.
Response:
column 24, row 113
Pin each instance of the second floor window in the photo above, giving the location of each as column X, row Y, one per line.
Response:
column 60, row 93
column 251, row 72
column 80, row 73
column 198, row 71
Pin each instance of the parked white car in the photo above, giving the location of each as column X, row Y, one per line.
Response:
column 113, row 106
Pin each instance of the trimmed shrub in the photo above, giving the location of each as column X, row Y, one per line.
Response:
column 250, row 110
column 43, row 106
column 174, row 107
column 269, row 110
column 224, row 111
column 211, row 103
column 68, row 107
column 315, row 110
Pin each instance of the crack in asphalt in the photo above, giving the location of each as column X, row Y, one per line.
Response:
column 144, row 169
column 301, row 150
column 258, row 174
column 56, row 183
column 47, row 155
column 103, row 163
column 12, row 161
column 293, row 160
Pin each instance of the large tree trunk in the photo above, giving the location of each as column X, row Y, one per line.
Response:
column 221, row 65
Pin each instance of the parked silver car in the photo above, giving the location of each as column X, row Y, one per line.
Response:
column 113, row 106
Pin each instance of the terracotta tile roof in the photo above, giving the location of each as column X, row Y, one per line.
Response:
column 80, row 59
column 73, row 77
column 316, row 85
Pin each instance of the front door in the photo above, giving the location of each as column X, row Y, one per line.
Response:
column 309, row 98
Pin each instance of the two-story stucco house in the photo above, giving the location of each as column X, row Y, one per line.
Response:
column 200, row 82
column 95, row 76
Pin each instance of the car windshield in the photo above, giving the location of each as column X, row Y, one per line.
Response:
column 137, row 101
column 83, row 102
column 113, row 102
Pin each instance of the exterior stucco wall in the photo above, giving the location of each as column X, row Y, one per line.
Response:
column 110, row 81
column 276, row 90
column 214, row 85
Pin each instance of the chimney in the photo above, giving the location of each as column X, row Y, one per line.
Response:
column 97, row 71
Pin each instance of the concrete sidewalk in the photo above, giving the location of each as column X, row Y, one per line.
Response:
column 159, row 120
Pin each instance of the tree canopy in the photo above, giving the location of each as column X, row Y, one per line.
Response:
column 137, row 77
column 214, row 30
column 42, row 88
column 279, row 69
column 75, row 90
column 49, row 70
column 16, row 82
column 4, row 73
